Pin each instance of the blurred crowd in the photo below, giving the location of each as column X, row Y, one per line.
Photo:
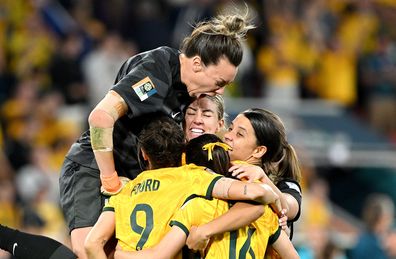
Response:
column 59, row 58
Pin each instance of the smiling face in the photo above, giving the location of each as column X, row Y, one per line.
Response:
column 242, row 139
column 209, row 80
column 202, row 116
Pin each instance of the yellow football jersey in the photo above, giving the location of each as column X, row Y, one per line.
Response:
column 247, row 242
column 145, row 205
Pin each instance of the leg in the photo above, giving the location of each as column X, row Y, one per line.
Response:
column 25, row 245
column 81, row 201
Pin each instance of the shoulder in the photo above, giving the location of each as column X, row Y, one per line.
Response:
column 163, row 53
column 159, row 56
column 203, row 205
column 193, row 167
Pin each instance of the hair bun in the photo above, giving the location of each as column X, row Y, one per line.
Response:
column 235, row 26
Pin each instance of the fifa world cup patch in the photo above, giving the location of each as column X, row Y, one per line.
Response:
column 144, row 88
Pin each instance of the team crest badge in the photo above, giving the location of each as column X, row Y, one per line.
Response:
column 144, row 88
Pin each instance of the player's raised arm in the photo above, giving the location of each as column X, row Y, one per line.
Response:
column 101, row 123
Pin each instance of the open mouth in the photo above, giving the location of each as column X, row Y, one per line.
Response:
column 197, row 131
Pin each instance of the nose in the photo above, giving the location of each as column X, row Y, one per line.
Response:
column 197, row 118
column 220, row 91
column 227, row 137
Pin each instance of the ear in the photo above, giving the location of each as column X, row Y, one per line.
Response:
column 220, row 131
column 197, row 63
column 145, row 157
column 221, row 124
column 259, row 152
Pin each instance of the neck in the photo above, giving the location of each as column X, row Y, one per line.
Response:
column 253, row 161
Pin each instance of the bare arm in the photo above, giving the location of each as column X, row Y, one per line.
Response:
column 167, row 248
column 292, row 205
column 289, row 203
column 101, row 121
column 284, row 247
column 230, row 189
column 253, row 173
column 99, row 235
column 241, row 214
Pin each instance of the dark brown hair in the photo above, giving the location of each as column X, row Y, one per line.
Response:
column 280, row 161
column 195, row 154
column 216, row 38
column 163, row 141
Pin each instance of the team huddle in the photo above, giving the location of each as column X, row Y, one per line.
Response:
column 159, row 168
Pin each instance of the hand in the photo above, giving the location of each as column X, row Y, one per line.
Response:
column 123, row 180
column 272, row 198
column 249, row 172
column 197, row 240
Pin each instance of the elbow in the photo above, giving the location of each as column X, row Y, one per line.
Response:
column 94, row 117
column 91, row 246
column 100, row 118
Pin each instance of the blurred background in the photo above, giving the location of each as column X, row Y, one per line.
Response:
column 328, row 68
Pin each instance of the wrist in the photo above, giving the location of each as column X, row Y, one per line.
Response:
column 110, row 183
column 206, row 231
column 211, row 229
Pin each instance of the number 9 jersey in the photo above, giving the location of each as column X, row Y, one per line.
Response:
column 145, row 206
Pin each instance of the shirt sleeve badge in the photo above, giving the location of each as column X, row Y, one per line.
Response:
column 144, row 88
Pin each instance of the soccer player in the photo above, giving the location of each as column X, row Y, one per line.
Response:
column 207, row 116
column 158, row 81
column 140, row 213
column 258, row 137
column 250, row 240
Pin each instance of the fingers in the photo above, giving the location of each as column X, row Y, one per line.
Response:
column 236, row 170
column 277, row 206
column 283, row 222
column 248, row 172
column 242, row 171
column 196, row 241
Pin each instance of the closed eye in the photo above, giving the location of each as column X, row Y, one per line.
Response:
column 221, row 83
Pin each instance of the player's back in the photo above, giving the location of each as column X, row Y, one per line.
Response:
column 146, row 204
column 247, row 242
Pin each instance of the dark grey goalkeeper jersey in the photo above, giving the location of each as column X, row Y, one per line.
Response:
column 150, row 85
column 293, row 188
